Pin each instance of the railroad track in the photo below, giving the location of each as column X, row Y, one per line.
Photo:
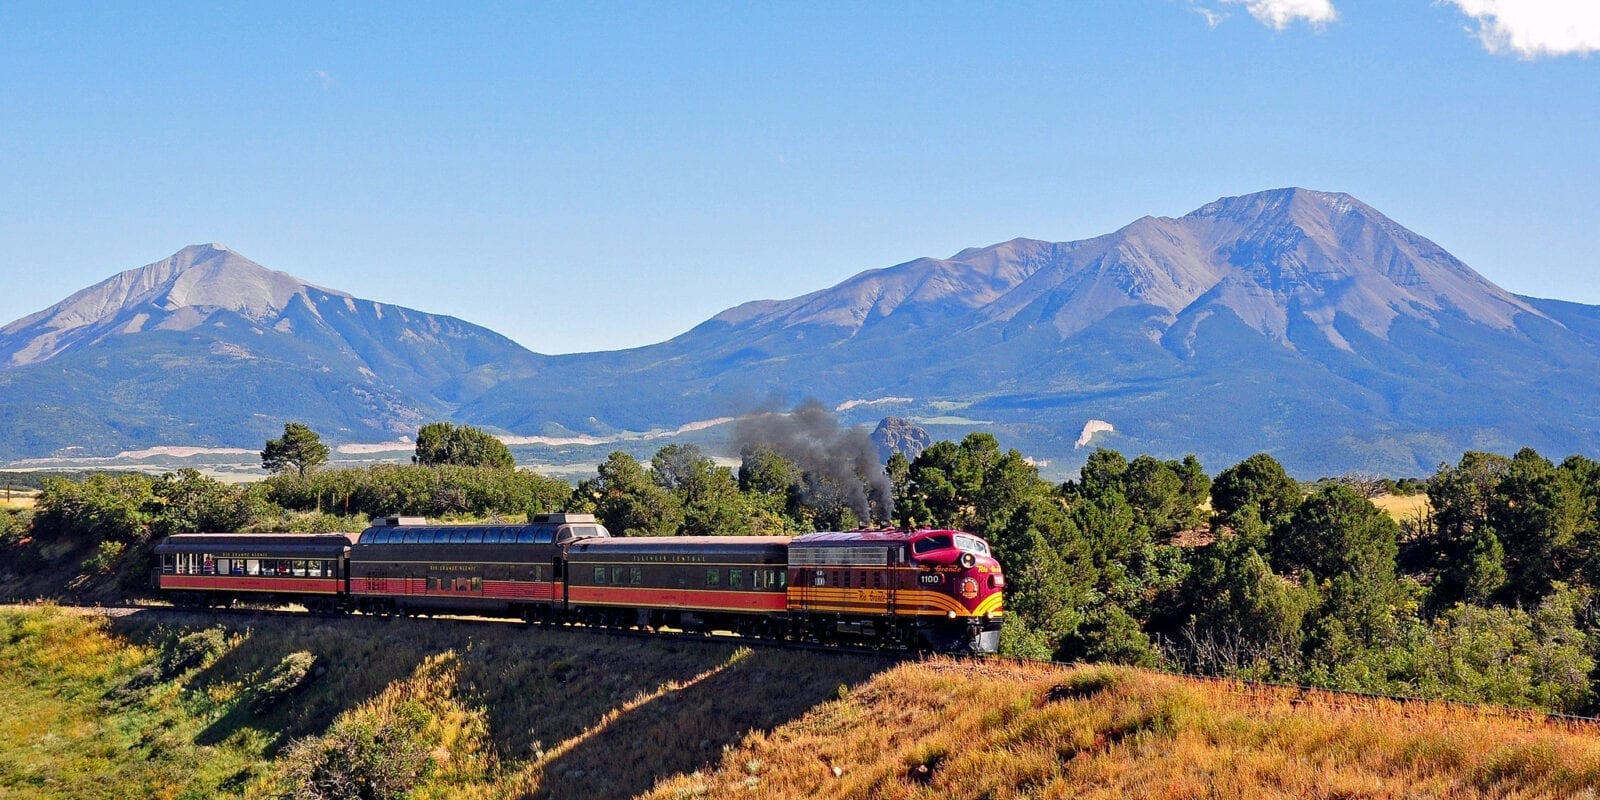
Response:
column 660, row 634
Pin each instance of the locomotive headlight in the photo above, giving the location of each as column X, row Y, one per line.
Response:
column 968, row 560
column 950, row 614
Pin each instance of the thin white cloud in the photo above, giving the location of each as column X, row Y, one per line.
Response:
column 1213, row 16
column 1280, row 14
column 1535, row 28
column 323, row 77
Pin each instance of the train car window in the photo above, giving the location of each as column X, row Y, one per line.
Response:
column 783, row 578
column 735, row 579
column 538, row 573
column 299, row 568
column 477, row 584
column 636, row 576
column 458, row 536
column 713, row 577
column 525, row 536
column 474, row 535
column 491, row 535
column 410, row 537
column 222, row 566
column 168, row 564
column 599, row 575
column 758, row 579
column 929, row 544
column 252, row 566
column 544, row 536
column 972, row 544
column 619, row 575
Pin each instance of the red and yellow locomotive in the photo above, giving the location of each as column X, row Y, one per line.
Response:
column 940, row 589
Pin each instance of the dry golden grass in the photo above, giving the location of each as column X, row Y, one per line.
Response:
column 1403, row 507
column 955, row 730
column 18, row 500
column 519, row 712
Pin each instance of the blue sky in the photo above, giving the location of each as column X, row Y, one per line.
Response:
column 585, row 177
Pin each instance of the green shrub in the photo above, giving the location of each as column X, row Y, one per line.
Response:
column 375, row 754
column 189, row 651
column 192, row 650
column 15, row 524
column 104, row 558
column 292, row 673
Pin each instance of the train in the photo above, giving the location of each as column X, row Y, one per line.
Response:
column 925, row 589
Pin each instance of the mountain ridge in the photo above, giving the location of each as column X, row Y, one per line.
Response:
column 1294, row 321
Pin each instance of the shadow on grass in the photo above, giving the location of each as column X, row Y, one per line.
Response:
column 538, row 686
column 685, row 727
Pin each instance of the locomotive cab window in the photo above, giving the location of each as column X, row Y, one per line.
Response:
column 972, row 544
column 929, row 544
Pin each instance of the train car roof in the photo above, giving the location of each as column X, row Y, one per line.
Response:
column 827, row 538
column 688, row 545
column 273, row 543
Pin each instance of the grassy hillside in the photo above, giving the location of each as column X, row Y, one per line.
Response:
column 164, row 705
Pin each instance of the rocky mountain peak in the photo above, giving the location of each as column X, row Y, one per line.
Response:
column 177, row 292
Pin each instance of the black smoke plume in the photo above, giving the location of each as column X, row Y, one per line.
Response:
column 838, row 464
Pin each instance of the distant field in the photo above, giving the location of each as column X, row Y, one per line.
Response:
column 1403, row 508
column 19, row 498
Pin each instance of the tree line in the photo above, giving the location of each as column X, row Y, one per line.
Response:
column 1486, row 595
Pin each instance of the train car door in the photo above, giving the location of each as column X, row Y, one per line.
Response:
column 894, row 559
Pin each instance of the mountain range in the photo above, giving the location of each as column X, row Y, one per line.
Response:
column 1301, row 323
